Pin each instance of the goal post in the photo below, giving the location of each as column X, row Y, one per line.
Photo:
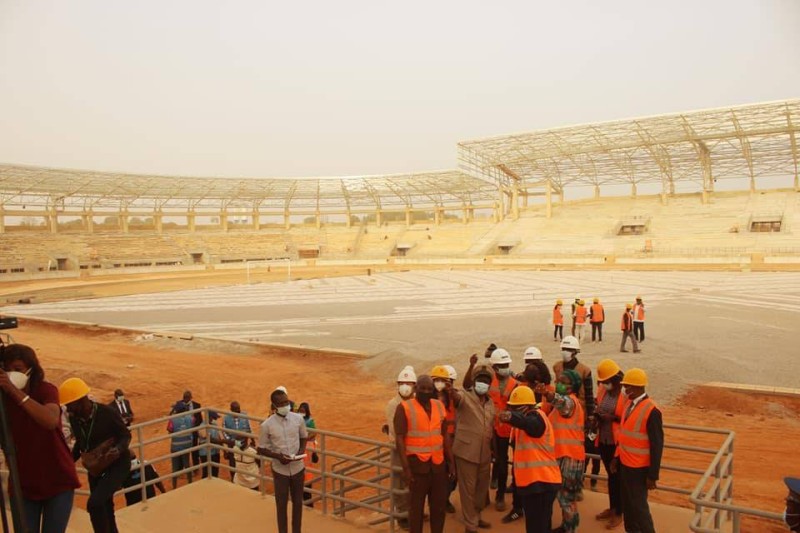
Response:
column 252, row 265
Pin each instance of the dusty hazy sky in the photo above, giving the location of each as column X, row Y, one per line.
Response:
column 257, row 88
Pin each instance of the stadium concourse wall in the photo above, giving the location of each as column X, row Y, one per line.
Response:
column 736, row 230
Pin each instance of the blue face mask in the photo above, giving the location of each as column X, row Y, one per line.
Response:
column 481, row 387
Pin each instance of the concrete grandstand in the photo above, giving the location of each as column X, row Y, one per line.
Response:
column 507, row 203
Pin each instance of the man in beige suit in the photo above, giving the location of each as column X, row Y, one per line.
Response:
column 472, row 447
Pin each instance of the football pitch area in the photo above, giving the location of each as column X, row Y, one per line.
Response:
column 704, row 326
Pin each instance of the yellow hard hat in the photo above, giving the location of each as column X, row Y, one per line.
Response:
column 607, row 369
column 596, row 300
column 559, row 302
column 635, row 377
column 71, row 390
column 522, row 396
column 628, row 306
column 440, row 372
column 581, row 302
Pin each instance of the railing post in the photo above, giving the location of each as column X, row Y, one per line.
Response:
column 142, row 475
column 392, row 495
column 324, row 474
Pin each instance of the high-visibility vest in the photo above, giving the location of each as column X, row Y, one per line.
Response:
column 580, row 315
column 535, row 458
column 424, row 436
column 634, row 444
column 598, row 313
column 638, row 312
column 558, row 318
column 450, row 416
column 500, row 401
column 619, row 410
column 626, row 321
column 569, row 432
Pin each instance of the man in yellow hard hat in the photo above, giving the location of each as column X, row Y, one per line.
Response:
column 638, row 456
column 536, row 473
column 101, row 435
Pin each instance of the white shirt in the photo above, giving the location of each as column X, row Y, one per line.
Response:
column 282, row 434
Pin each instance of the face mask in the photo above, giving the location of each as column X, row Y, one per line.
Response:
column 284, row 410
column 135, row 464
column 405, row 390
column 566, row 355
column 561, row 389
column 439, row 386
column 19, row 379
column 504, row 371
column 481, row 387
column 608, row 386
column 120, row 398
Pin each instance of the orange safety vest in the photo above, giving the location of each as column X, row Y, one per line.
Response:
column 639, row 312
column 424, row 437
column 307, row 460
column 500, row 400
column 535, row 458
column 626, row 321
column 598, row 313
column 450, row 416
column 569, row 432
column 580, row 315
column 619, row 410
column 634, row 444
column 558, row 318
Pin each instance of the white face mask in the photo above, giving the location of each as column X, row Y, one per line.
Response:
column 405, row 390
column 120, row 398
column 566, row 355
column 504, row 372
column 481, row 387
column 19, row 379
column 439, row 385
column 608, row 386
column 135, row 464
column 283, row 411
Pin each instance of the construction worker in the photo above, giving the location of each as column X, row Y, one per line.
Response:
column 101, row 435
column 406, row 382
column 638, row 319
column 180, row 422
column 568, row 422
column 536, row 471
column 558, row 321
column 580, row 315
column 444, row 386
column 238, row 422
column 791, row 515
column 638, row 456
column 627, row 330
column 609, row 408
column 531, row 354
column 474, row 439
column 572, row 314
column 502, row 385
column 570, row 348
column 421, row 432
column 597, row 315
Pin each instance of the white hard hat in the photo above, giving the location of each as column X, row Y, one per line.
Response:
column 531, row 353
column 407, row 375
column 500, row 357
column 282, row 389
column 570, row 343
column 452, row 372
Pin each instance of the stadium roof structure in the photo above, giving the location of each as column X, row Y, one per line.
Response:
column 747, row 141
column 49, row 186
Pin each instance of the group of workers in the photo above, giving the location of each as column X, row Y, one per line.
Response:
column 632, row 324
column 447, row 437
